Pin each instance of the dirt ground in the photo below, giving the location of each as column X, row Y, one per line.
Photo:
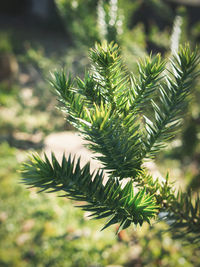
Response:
column 72, row 143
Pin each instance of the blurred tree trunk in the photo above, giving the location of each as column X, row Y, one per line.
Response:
column 8, row 67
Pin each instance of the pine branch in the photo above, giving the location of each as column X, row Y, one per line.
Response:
column 104, row 107
column 117, row 143
column 110, row 200
column 149, row 76
column 71, row 102
column 89, row 89
column 182, row 213
column 113, row 133
column 173, row 94
column 163, row 191
column 110, row 74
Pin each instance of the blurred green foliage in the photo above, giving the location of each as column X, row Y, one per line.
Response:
column 5, row 43
column 79, row 19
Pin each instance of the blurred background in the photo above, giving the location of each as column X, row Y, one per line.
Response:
column 37, row 37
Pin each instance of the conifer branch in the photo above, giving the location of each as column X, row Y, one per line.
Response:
column 104, row 108
column 173, row 93
column 183, row 216
column 121, row 205
column 71, row 102
column 110, row 74
column 181, row 211
column 118, row 144
column 149, row 76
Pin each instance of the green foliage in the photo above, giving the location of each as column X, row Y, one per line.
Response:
column 107, row 108
column 173, row 92
column 143, row 89
column 184, row 216
column 89, row 21
column 109, row 200
column 5, row 43
column 79, row 18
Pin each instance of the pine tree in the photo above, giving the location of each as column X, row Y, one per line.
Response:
column 108, row 108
